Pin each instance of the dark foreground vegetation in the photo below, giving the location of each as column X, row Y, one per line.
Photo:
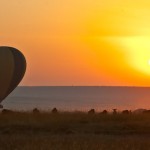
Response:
column 74, row 131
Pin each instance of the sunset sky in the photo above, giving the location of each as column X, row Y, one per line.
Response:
column 80, row 42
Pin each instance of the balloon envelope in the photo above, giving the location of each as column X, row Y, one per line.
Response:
column 12, row 70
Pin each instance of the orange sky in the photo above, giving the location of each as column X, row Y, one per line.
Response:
column 100, row 42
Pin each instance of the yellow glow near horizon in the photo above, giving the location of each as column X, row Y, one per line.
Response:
column 149, row 62
column 137, row 52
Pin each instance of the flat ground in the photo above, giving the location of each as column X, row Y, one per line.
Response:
column 74, row 131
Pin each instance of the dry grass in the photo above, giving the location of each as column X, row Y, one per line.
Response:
column 74, row 131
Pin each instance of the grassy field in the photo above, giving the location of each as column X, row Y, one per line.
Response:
column 74, row 131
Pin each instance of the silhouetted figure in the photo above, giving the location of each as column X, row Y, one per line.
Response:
column 54, row 111
column 126, row 112
column 114, row 111
column 92, row 111
column 36, row 111
column 6, row 111
column 104, row 112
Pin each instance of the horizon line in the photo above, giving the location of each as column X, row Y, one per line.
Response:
column 82, row 86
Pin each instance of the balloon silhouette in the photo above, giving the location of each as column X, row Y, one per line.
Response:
column 12, row 70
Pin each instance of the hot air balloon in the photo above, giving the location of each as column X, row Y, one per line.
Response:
column 12, row 70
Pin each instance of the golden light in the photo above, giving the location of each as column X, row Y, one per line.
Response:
column 137, row 50
column 106, row 42
column 149, row 62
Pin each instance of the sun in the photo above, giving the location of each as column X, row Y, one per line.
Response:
column 137, row 51
column 149, row 62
